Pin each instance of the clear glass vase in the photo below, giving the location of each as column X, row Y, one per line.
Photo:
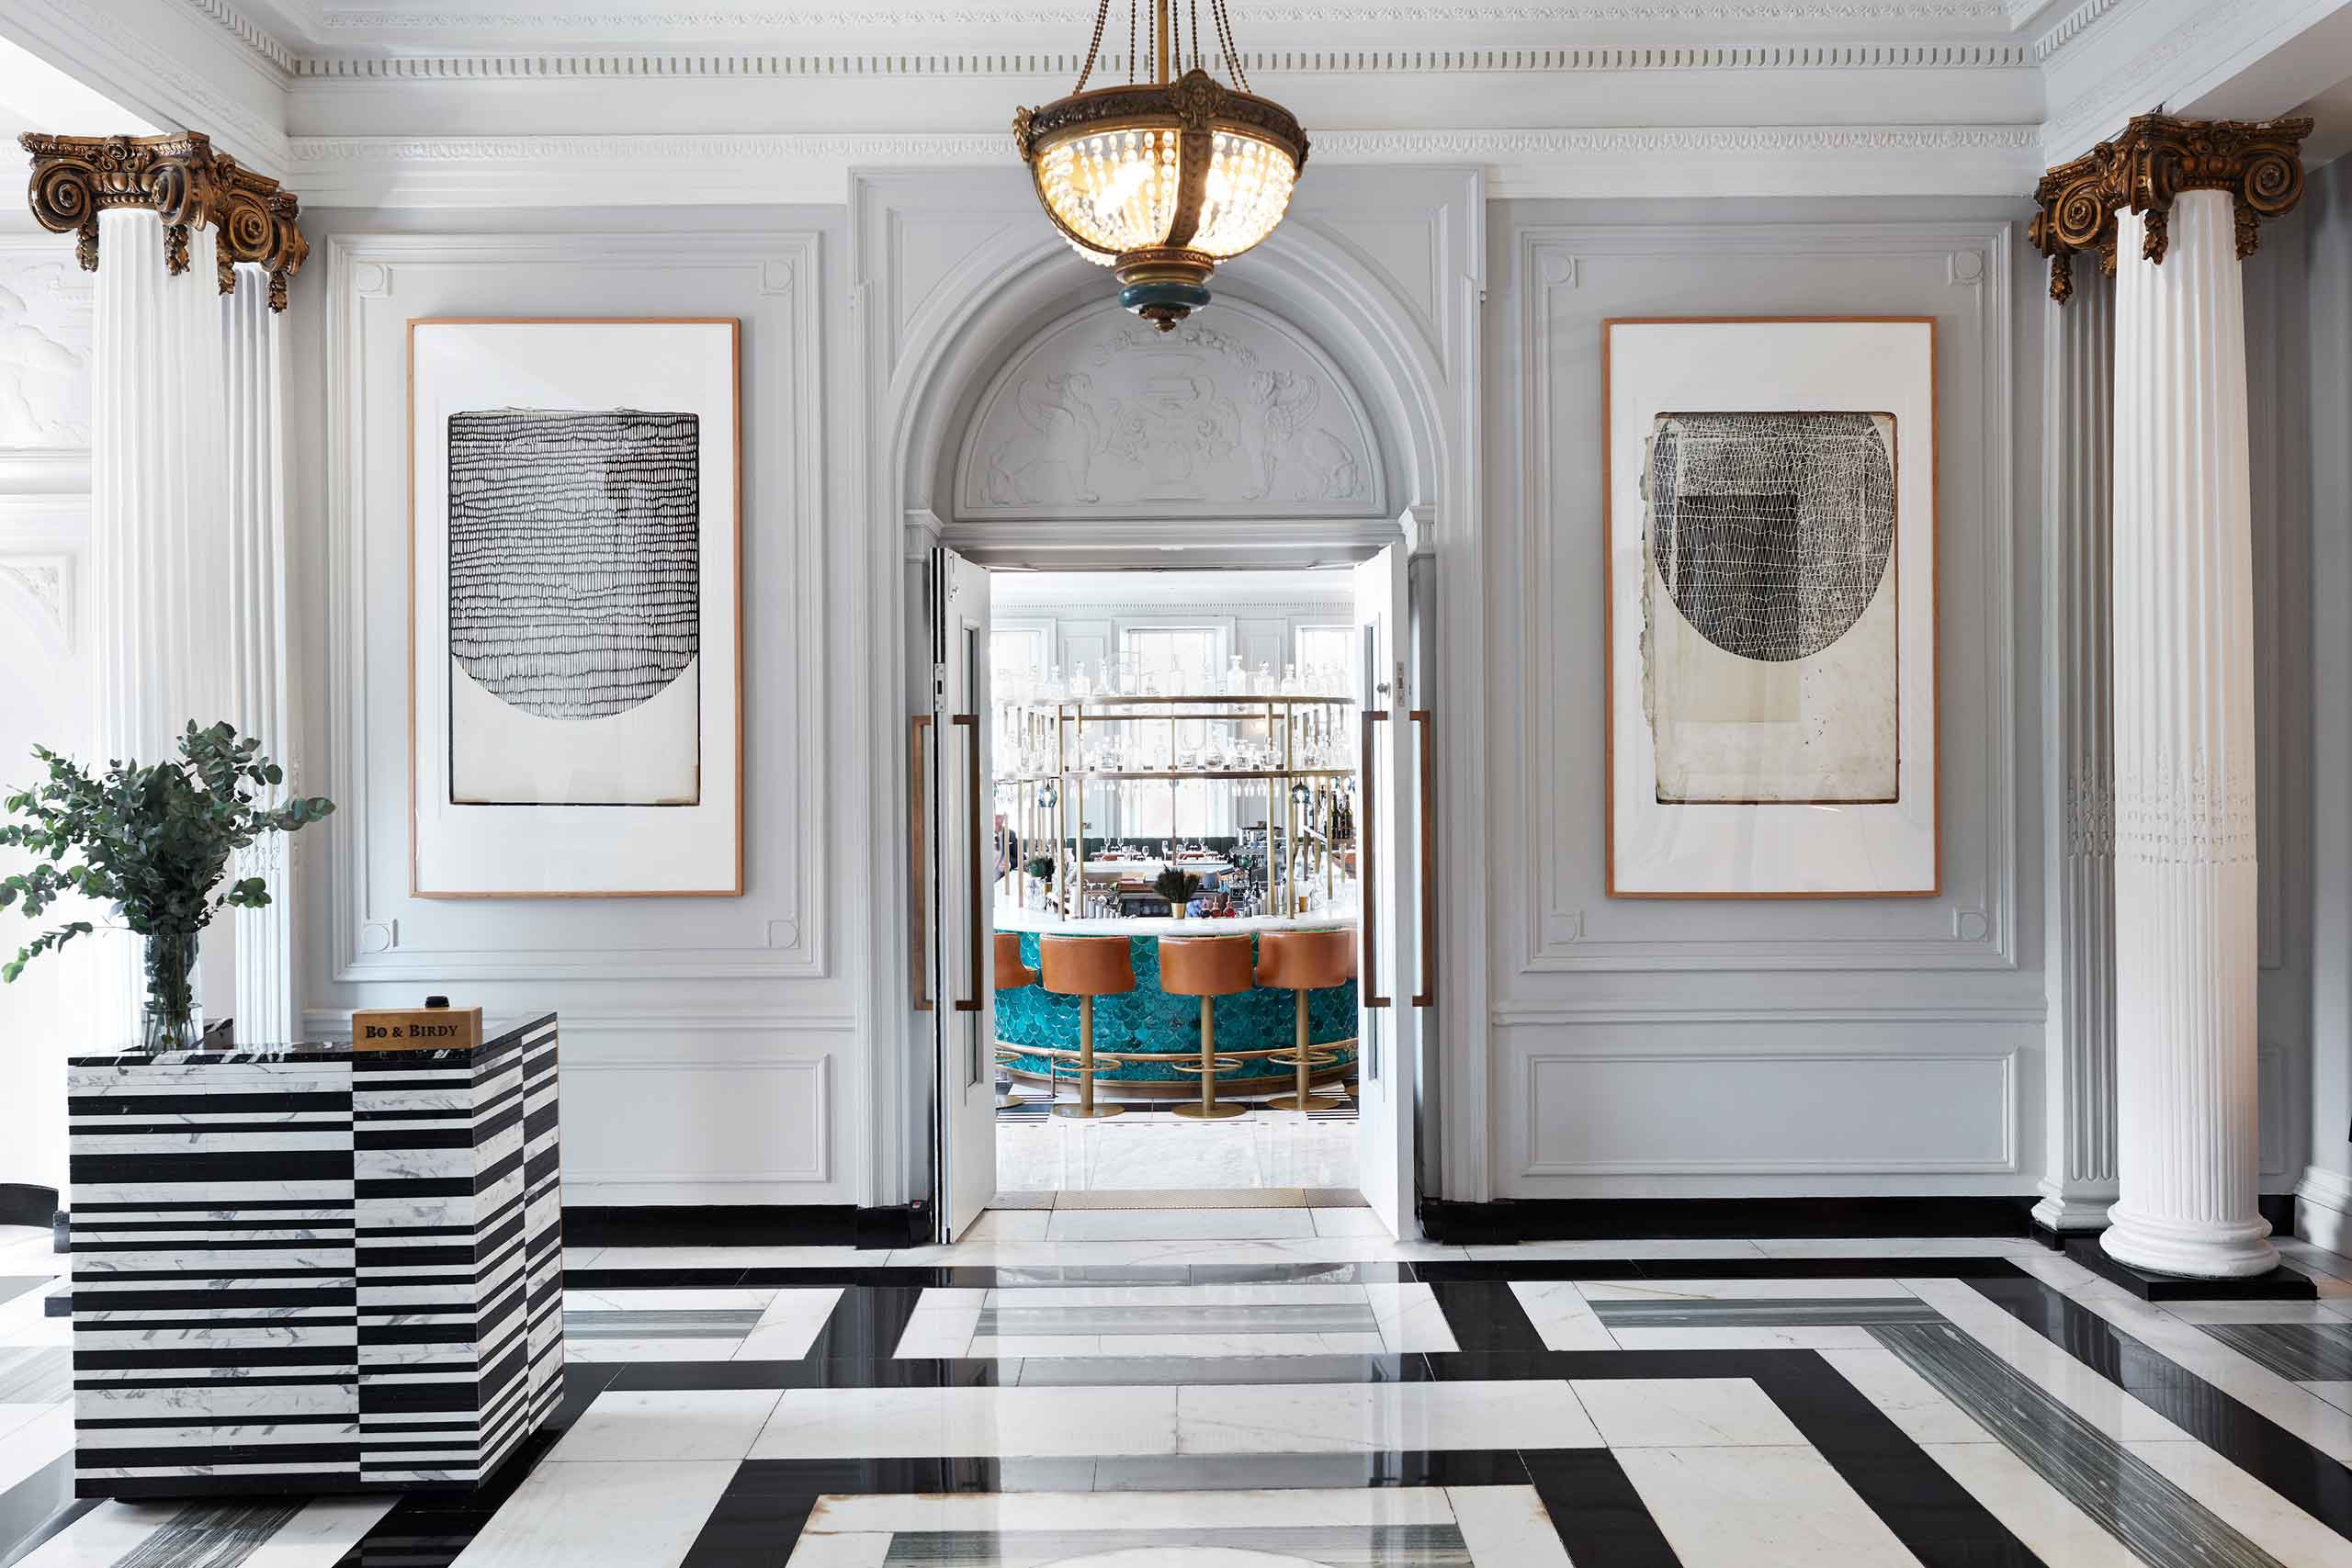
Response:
column 172, row 1020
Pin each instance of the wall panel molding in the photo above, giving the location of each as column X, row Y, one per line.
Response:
column 366, row 942
column 1566, row 927
column 1990, row 1074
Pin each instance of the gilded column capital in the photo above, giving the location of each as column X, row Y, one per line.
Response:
column 2259, row 163
column 258, row 224
column 184, row 182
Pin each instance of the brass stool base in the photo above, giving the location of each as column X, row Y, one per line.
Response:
column 1088, row 1112
column 1304, row 1102
column 1200, row 1112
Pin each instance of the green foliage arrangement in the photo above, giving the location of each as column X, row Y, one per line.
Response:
column 1040, row 867
column 151, row 841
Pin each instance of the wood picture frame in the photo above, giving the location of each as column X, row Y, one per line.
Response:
column 609, row 372
column 1760, row 847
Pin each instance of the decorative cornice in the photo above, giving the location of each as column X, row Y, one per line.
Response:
column 2149, row 75
column 184, row 182
column 740, row 20
column 658, row 67
column 2071, row 26
column 256, row 39
column 2258, row 163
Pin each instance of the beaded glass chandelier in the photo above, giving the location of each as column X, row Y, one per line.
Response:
column 1161, row 179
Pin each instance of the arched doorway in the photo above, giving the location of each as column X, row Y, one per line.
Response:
column 1013, row 420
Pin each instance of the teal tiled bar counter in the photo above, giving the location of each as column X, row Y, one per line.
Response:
column 1147, row 1022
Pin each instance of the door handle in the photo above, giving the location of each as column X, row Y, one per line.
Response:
column 970, row 724
column 1366, row 832
column 1427, row 995
column 916, row 726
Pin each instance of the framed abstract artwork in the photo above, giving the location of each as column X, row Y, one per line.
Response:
column 576, row 695
column 1769, row 493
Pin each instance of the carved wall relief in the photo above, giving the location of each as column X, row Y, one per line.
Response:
column 44, row 351
column 1103, row 416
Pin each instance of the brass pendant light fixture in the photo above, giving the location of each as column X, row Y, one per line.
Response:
column 1161, row 179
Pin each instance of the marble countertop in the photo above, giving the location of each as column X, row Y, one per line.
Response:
column 1043, row 920
column 494, row 1031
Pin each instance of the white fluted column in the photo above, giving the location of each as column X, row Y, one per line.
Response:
column 2078, row 422
column 2184, row 757
column 159, row 547
column 256, row 632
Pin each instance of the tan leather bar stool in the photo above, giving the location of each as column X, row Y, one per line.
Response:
column 1010, row 975
column 1207, row 968
column 1087, row 968
column 1300, row 962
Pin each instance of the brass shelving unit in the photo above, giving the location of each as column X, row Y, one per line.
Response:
column 1288, row 724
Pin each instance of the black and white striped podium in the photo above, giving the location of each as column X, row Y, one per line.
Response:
column 309, row 1269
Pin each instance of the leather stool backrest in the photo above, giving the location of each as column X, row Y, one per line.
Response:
column 1306, row 961
column 1087, row 965
column 1204, row 966
column 1010, row 972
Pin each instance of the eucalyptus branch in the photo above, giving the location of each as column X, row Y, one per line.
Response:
column 151, row 842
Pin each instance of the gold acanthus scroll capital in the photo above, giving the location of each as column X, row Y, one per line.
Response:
column 2257, row 163
column 184, row 182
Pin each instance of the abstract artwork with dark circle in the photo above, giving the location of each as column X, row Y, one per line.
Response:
column 574, row 556
column 1771, row 532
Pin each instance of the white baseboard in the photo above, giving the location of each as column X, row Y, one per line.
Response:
column 2323, row 1208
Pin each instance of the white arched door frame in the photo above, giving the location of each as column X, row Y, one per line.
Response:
column 1416, row 365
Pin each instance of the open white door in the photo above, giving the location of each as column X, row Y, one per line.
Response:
column 961, row 825
column 1387, row 975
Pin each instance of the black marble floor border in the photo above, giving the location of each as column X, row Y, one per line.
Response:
column 2312, row 1481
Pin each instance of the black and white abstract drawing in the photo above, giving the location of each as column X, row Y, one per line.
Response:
column 1770, row 544
column 574, row 598
column 1771, row 623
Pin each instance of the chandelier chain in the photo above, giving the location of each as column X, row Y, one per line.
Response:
column 1196, row 34
column 1224, row 37
column 1094, row 44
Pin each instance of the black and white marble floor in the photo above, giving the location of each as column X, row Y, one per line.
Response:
column 1273, row 1388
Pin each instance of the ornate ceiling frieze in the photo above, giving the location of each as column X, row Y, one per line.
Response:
column 184, row 182
column 2258, row 163
column 754, row 17
column 651, row 66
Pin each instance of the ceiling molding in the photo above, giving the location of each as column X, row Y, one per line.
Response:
column 645, row 65
column 2073, row 26
column 158, row 66
column 543, row 171
column 2182, row 58
column 1769, row 14
column 257, row 39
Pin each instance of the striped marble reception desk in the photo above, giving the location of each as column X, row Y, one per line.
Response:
column 307, row 1268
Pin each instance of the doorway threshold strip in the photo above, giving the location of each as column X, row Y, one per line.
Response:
column 1176, row 1320
column 2123, row 1493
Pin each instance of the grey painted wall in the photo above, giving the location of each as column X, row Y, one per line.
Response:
column 711, row 1045
column 1743, row 1047
column 1634, row 1047
column 2321, row 246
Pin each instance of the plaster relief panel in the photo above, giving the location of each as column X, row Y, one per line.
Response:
column 1234, row 418
column 44, row 348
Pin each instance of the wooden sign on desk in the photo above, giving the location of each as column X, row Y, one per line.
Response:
column 416, row 1029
